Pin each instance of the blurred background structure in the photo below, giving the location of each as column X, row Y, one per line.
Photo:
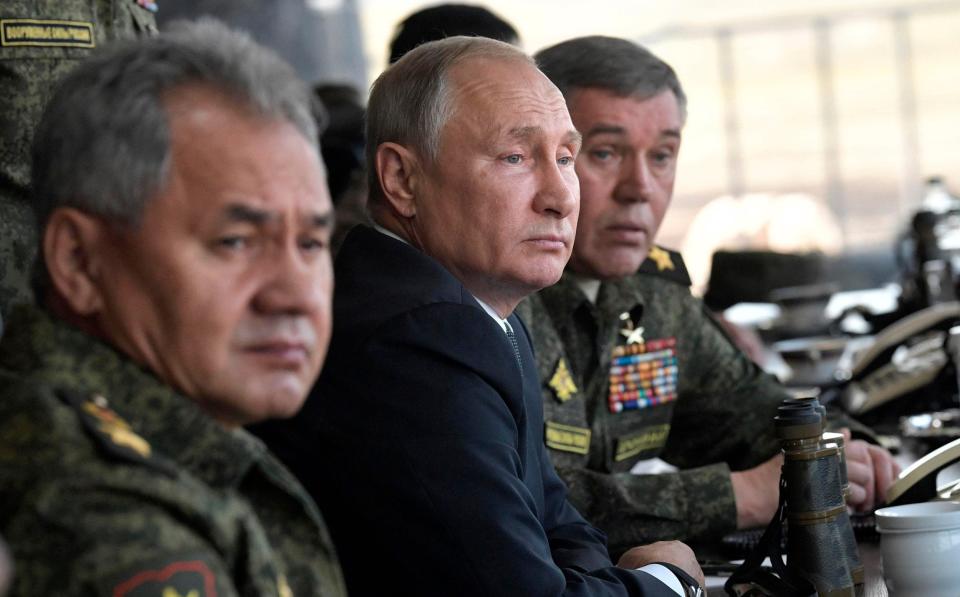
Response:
column 322, row 39
column 852, row 103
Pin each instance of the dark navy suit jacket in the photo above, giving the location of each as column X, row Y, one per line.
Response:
column 423, row 444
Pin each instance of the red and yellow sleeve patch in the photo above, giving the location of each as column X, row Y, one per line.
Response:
column 187, row 578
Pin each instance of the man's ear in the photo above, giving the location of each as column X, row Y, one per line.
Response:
column 398, row 170
column 70, row 252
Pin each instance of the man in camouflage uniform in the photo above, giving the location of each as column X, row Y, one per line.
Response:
column 635, row 373
column 40, row 41
column 186, row 291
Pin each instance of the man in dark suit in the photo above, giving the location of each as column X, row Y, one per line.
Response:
column 423, row 440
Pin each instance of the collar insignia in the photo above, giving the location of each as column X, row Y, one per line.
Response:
column 661, row 258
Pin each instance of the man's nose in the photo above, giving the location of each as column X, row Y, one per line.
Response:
column 636, row 180
column 559, row 192
column 293, row 284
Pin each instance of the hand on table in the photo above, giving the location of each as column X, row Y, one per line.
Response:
column 671, row 552
column 871, row 470
column 757, row 493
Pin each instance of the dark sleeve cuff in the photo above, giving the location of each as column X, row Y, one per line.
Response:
column 690, row 585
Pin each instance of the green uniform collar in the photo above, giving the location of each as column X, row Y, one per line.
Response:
column 41, row 346
column 565, row 297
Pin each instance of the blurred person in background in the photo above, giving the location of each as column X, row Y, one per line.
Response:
column 447, row 20
column 183, row 291
column 342, row 148
column 660, row 426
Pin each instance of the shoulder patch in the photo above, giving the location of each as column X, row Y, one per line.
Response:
column 46, row 33
column 667, row 264
column 651, row 438
column 167, row 578
column 567, row 438
column 112, row 434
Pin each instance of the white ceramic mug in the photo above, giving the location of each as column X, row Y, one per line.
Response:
column 920, row 544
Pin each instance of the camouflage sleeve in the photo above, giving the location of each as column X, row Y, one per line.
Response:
column 635, row 509
column 94, row 540
column 727, row 404
column 39, row 43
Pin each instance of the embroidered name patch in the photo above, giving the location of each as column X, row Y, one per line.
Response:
column 43, row 33
column 643, row 374
column 567, row 438
column 654, row 437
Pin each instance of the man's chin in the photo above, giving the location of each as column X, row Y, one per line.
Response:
column 276, row 396
column 543, row 278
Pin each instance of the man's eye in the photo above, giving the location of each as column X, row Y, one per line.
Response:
column 566, row 160
column 662, row 157
column 233, row 243
column 601, row 154
column 313, row 244
column 515, row 158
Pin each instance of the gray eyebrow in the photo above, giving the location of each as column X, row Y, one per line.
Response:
column 238, row 212
column 602, row 129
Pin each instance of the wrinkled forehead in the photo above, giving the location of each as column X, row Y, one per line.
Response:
column 504, row 92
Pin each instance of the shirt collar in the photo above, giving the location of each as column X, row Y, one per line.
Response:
column 504, row 324
column 383, row 230
column 590, row 287
column 568, row 296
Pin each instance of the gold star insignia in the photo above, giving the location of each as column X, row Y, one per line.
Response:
column 661, row 258
column 562, row 382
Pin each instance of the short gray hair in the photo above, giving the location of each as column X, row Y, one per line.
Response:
column 103, row 144
column 411, row 101
column 617, row 65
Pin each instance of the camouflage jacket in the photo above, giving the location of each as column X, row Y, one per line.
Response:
column 715, row 412
column 111, row 483
column 39, row 42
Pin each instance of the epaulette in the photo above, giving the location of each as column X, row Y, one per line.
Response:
column 111, row 433
column 665, row 263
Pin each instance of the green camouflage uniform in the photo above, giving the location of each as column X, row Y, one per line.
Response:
column 111, row 483
column 722, row 420
column 40, row 40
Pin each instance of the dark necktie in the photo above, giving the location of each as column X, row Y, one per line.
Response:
column 513, row 342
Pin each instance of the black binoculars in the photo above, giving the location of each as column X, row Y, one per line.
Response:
column 821, row 546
